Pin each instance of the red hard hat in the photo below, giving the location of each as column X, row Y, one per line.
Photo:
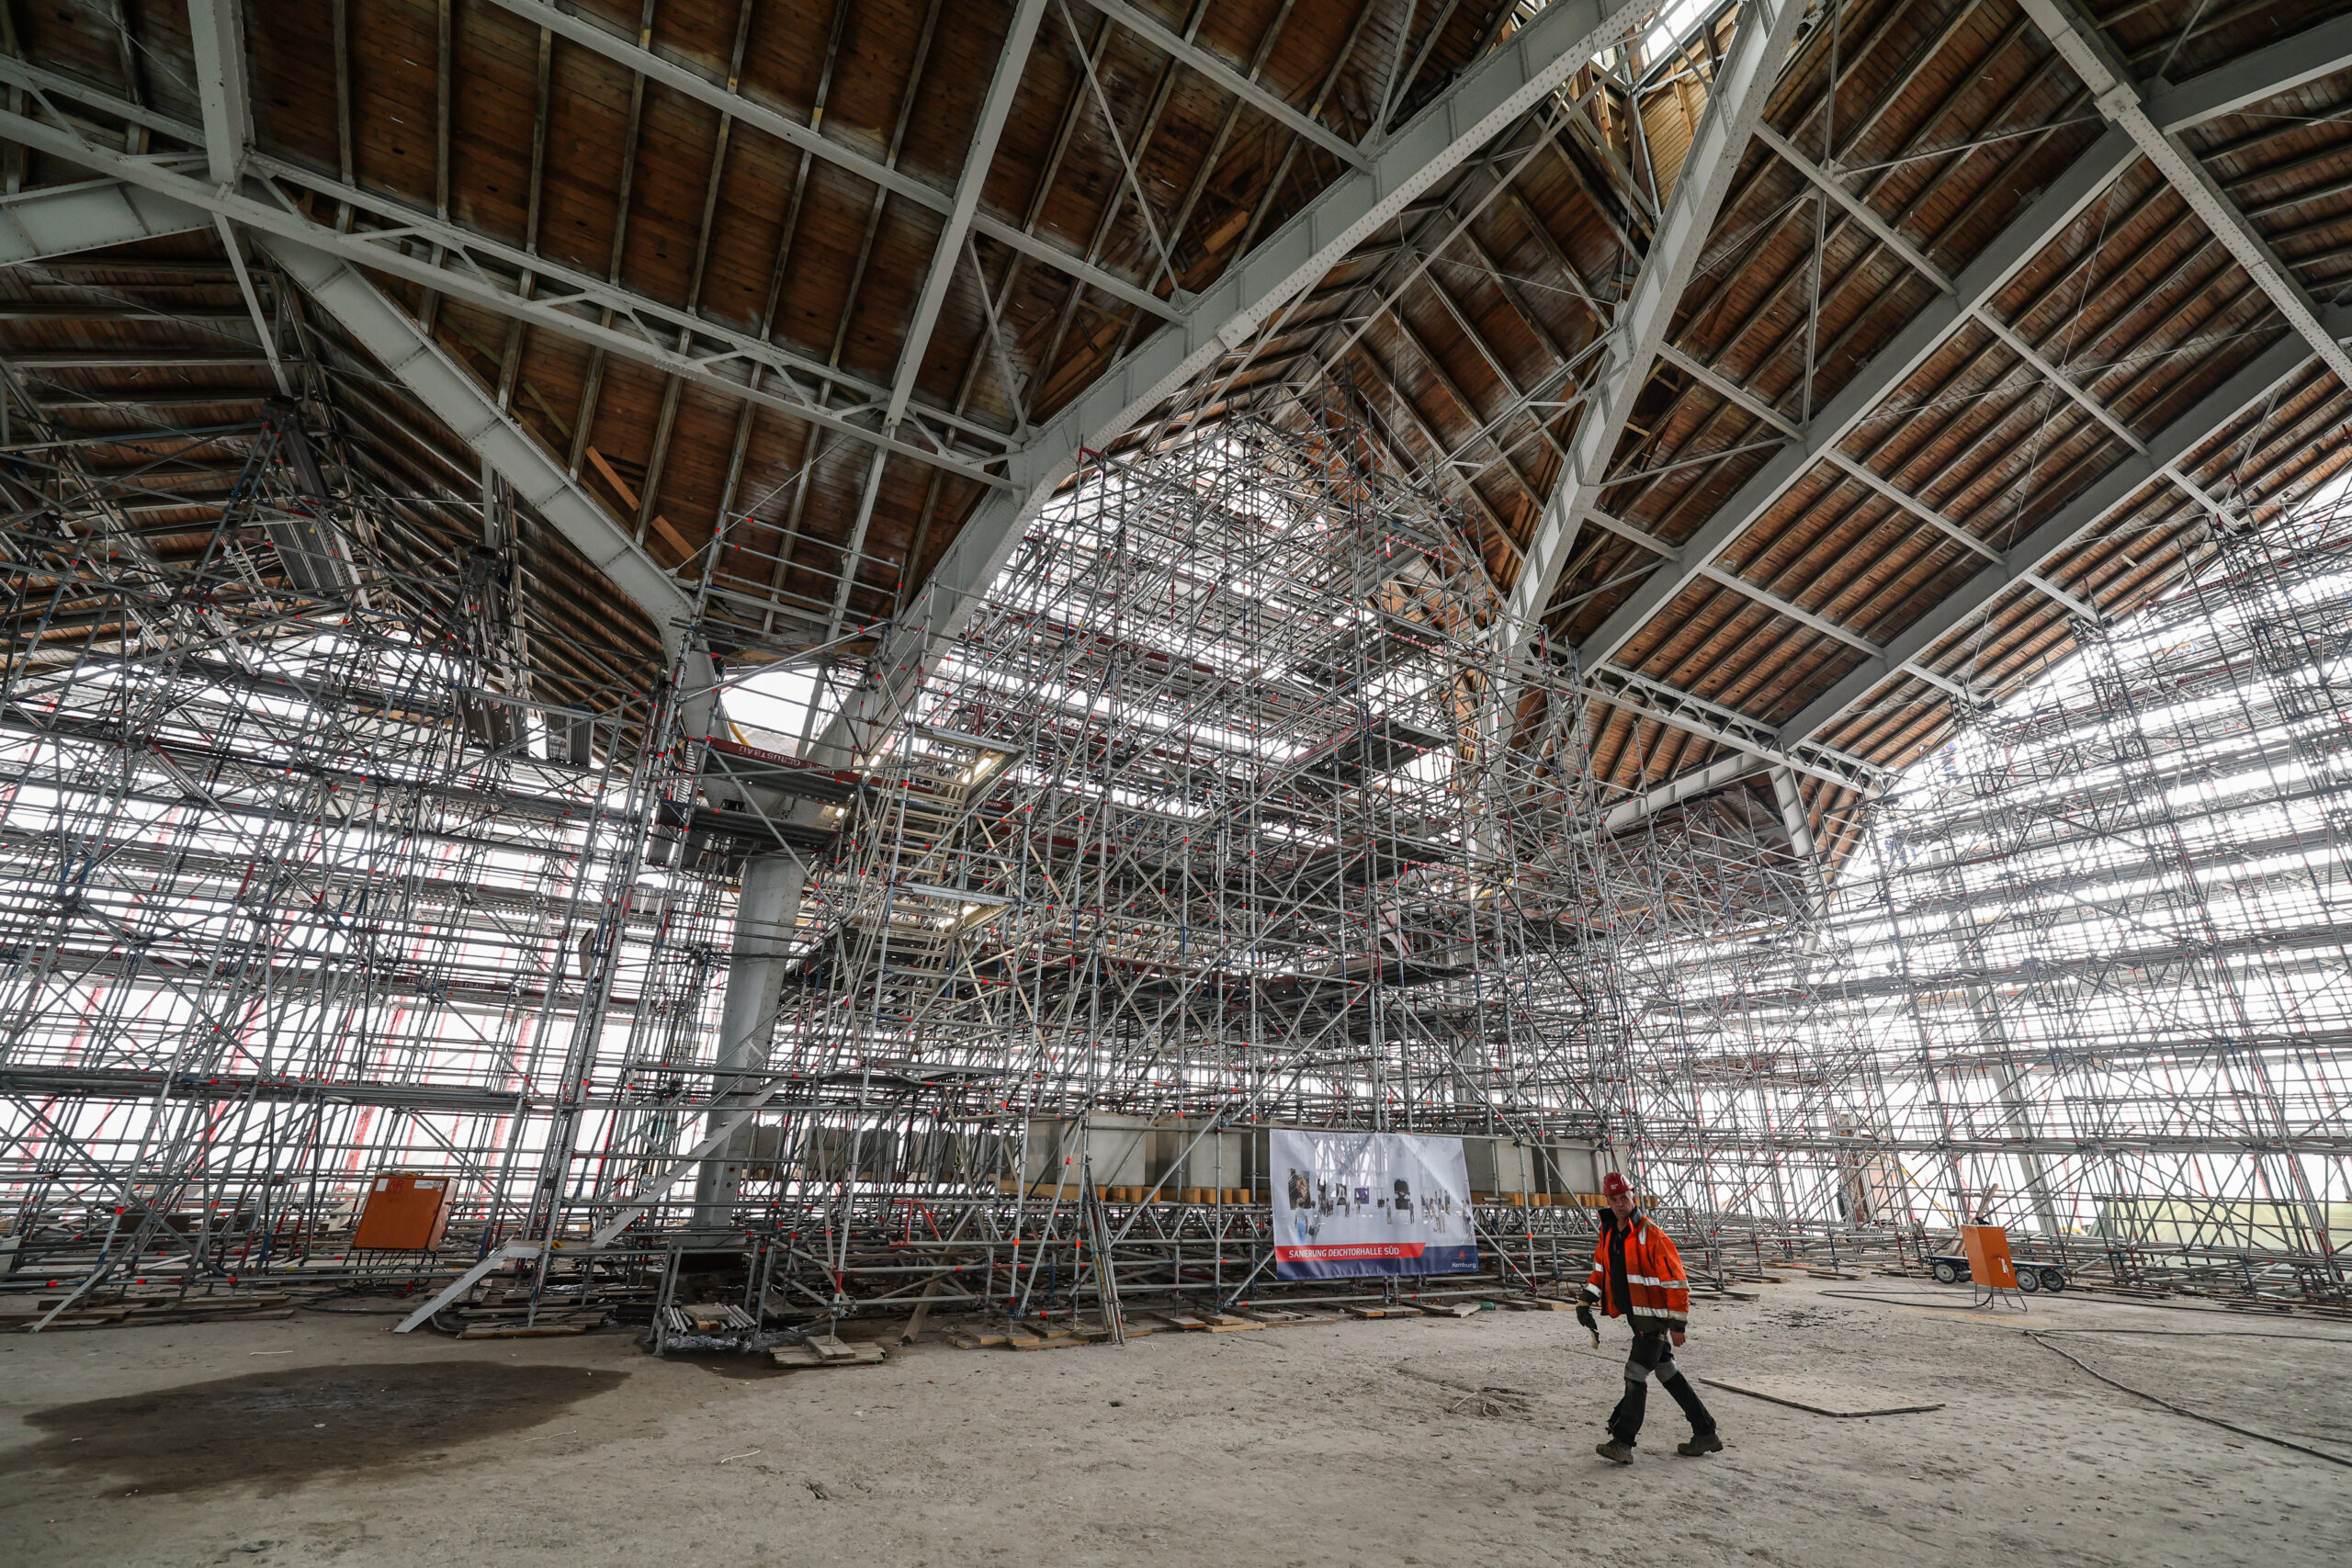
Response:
column 1614, row 1183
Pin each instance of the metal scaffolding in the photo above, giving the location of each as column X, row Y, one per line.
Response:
column 1239, row 801
column 2087, row 974
column 1232, row 805
column 303, row 882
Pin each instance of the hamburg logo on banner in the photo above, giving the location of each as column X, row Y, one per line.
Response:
column 1370, row 1203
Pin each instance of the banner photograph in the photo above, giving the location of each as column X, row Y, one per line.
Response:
column 1370, row 1203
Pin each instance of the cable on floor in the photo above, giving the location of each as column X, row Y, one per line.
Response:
column 1769, row 1398
column 2185, row 1332
column 1902, row 1301
column 1816, row 1409
column 2208, row 1334
column 2183, row 1410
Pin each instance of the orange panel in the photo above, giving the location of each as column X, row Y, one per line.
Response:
column 1988, row 1255
column 404, row 1213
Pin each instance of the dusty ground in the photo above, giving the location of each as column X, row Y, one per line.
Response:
column 327, row 1439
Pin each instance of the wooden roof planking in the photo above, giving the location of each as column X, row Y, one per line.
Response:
column 1950, row 350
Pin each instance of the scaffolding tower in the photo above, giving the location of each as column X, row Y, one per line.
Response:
column 302, row 879
column 2087, row 974
column 1241, row 801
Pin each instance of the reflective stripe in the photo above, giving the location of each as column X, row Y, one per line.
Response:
column 1656, row 1286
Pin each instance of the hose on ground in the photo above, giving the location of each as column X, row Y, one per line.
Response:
column 2184, row 1410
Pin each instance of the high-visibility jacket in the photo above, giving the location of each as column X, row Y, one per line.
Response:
column 1653, row 1279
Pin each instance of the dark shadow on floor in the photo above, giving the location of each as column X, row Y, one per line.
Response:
column 277, row 1429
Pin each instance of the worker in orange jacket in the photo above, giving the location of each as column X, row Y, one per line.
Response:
column 1638, row 1273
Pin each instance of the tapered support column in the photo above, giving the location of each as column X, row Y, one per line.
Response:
column 765, row 914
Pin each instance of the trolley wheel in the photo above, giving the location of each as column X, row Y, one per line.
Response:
column 2053, row 1280
column 1946, row 1274
column 2027, row 1280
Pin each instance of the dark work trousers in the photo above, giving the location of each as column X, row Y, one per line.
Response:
column 1655, row 1353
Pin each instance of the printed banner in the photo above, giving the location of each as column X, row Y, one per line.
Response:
column 1370, row 1203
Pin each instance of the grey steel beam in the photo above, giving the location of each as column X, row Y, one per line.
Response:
column 455, row 397
column 1487, row 98
column 1802, row 843
column 1262, row 100
column 2281, row 67
column 1684, row 786
column 489, row 272
column 1646, row 698
column 1743, row 80
column 56, row 220
column 994, row 110
column 1790, row 609
column 2249, row 389
column 2125, row 104
column 687, row 83
column 2060, row 205
column 217, row 30
column 20, row 72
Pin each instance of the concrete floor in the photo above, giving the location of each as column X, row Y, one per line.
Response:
column 326, row 1440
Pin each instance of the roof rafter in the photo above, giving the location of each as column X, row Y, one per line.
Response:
column 761, row 117
column 2248, row 390
column 2062, row 202
column 1264, row 100
column 460, row 402
column 2125, row 104
column 994, row 110
column 1744, row 79
column 1484, row 101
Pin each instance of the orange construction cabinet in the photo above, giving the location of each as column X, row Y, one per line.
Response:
column 405, row 1213
column 1988, row 1256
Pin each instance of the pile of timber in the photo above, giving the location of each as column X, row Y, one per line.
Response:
column 827, row 1350
column 131, row 1308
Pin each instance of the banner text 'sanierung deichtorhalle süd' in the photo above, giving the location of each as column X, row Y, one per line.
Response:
column 1353, row 1203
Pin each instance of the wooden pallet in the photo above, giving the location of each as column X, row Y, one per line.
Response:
column 1282, row 1317
column 1449, row 1309
column 1210, row 1321
column 1367, row 1313
column 827, row 1350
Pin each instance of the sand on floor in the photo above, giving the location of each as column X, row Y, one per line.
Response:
column 327, row 1439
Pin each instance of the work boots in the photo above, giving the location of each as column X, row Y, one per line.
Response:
column 1614, row 1452
column 1700, row 1443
